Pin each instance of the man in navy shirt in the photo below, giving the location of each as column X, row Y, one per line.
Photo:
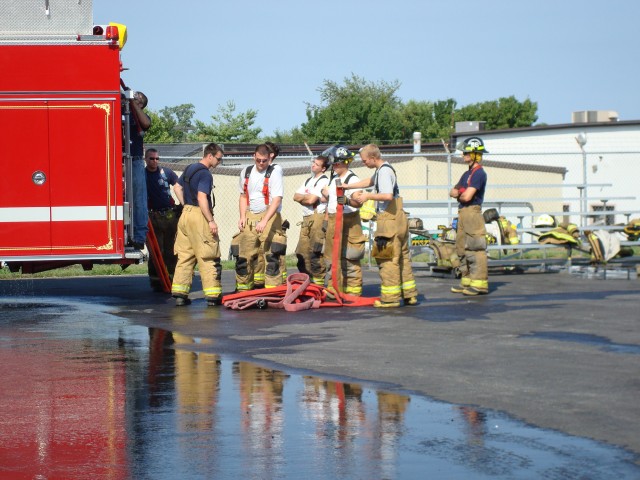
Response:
column 197, row 239
column 163, row 213
column 471, row 242
column 139, row 123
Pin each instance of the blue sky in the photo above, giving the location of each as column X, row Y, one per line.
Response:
column 272, row 56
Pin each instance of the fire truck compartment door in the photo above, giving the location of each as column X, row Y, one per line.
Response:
column 59, row 167
column 25, row 216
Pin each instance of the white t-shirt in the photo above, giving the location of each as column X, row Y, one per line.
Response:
column 256, row 182
column 333, row 198
column 314, row 186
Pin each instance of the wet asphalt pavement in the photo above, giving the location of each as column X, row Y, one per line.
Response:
column 550, row 350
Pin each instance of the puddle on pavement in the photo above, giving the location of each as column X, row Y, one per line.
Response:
column 603, row 343
column 88, row 395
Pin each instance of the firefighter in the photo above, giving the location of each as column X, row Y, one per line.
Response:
column 140, row 123
column 259, row 265
column 352, row 238
column 390, row 249
column 261, row 190
column 311, row 241
column 197, row 239
column 471, row 242
column 163, row 213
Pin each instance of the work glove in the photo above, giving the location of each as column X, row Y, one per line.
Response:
column 342, row 200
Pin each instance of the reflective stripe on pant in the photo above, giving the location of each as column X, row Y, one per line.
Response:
column 396, row 275
column 195, row 243
column 309, row 249
column 350, row 272
column 259, row 267
column 165, row 226
column 249, row 248
column 471, row 245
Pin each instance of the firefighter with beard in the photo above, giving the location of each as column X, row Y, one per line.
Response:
column 471, row 242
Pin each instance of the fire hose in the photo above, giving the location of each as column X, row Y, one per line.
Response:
column 299, row 293
column 157, row 259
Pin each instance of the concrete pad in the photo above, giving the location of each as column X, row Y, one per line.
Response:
column 552, row 350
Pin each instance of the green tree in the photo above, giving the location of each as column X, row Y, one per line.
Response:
column 506, row 112
column 443, row 115
column 291, row 137
column 170, row 124
column 228, row 126
column 356, row 112
column 433, row 120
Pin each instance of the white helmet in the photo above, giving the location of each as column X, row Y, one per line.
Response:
column 545, row 220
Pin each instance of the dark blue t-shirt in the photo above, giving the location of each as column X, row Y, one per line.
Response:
column 200, row 181
column 158, row 188
column 135, row 138
column 478, row 181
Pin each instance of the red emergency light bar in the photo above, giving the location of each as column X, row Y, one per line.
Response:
column 112, row 33
column 116, row 34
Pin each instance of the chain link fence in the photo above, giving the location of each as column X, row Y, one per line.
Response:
column 596, row 188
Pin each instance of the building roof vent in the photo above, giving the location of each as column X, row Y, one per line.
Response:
column 594, row 116
column 463, row 127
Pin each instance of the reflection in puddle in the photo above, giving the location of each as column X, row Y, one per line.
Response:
column 90, row 396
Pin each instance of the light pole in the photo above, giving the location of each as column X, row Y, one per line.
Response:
column 449, row 199
column 582, row 141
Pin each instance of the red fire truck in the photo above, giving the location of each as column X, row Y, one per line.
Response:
column 64, row 138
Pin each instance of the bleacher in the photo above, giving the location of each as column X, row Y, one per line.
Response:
column 529, row 253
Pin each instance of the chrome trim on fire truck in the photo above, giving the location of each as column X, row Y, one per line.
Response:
column 39, row 177
column 55, row 41
column 78, row 258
